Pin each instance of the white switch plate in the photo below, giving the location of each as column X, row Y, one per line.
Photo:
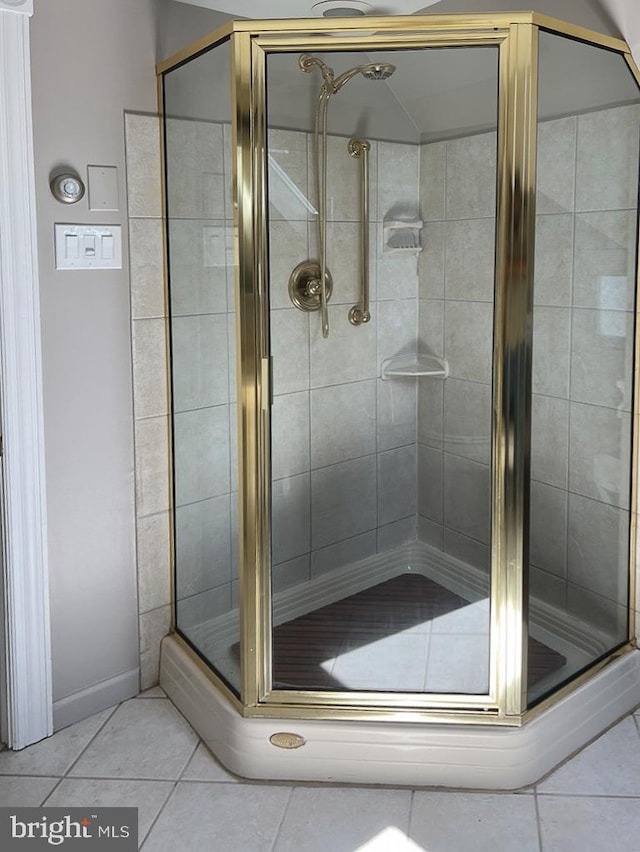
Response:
column 102, row 184
column 88, row 246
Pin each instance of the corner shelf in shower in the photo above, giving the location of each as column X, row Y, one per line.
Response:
column 414, row 366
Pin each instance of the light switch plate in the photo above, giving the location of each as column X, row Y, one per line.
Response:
column 88, row 246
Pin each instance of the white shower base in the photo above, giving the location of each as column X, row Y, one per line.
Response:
column 462, row 756
column 414, row 754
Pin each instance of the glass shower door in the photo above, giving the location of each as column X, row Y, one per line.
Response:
column 203, row 343
column 381, row 430
column 584, row 291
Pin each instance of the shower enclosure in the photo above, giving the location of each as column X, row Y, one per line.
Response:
column 401, row 288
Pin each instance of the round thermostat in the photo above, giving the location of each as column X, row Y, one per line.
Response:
column 67, row 188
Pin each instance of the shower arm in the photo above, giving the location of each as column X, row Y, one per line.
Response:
column 359, row 314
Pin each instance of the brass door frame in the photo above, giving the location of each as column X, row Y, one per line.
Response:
column 516, row 36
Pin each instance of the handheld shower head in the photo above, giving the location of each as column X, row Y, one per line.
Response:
column 333, row 84
column 377, row 70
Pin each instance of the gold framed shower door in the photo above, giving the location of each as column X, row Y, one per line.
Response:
column 515, row 35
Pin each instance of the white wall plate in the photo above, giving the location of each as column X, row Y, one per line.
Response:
column 88, row 246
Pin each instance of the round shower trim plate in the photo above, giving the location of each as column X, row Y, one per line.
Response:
column 341, row 8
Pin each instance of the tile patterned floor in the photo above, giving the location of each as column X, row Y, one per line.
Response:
column 143, row 753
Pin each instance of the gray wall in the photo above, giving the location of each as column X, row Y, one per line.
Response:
column 79, row 96
column 79, row 99
column 586, row 13
column 180, row 24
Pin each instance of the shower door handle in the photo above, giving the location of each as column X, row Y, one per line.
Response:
column 359, row 313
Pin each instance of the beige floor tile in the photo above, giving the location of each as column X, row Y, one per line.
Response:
column 147, row 796
column 204, row 767
column 482, row 822
column 18, row 791
column 609, row 766
column 54, row 755
column 143, row 739
column 225, row 817
column 341, row 820
column 585, row 824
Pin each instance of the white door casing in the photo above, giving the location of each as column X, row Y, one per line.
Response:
column 26, row 663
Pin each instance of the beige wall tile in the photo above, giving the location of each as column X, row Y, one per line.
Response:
column 154, row 580
column 470, row 259
column 152, row 466
column 556, row 165
column 154, row 626
column 397, row 484
column 290, row 435
column 203, row 545
column 142, row 136
column 471, row 176
column 467, row 497
column 150, row 379
column 344, row 501
column 343, row 422
column 607, row 159
column 147, row 268
column 201, row 454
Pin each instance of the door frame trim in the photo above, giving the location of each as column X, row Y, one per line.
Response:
column 25, row 663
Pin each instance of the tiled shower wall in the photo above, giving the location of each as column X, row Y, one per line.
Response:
column 583, row 355
column 344, row 441
column 203, row 361
column 457, row 199
column 583, row 347
column 148, row 313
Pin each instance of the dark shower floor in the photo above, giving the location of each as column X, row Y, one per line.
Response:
column 377, row 639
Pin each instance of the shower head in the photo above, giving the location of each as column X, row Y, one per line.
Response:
column 377, row 70
column 332, row 84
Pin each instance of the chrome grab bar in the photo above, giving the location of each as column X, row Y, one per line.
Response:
column 359, row 313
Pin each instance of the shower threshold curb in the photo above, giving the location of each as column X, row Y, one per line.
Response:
column 480, row 757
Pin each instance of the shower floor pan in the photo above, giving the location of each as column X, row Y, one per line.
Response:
column 408, row 634
column 410, row 620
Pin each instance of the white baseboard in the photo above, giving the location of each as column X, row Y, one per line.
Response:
column 95, row 698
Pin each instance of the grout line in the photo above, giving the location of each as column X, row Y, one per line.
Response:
column 538, row 820
column 170, row 795
column 148, row 612
column 410, row 820
column 51, row 792
column 90, row 742
column 285, row 810
column 145, row 778
column 559, row 795
column 189, row 760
